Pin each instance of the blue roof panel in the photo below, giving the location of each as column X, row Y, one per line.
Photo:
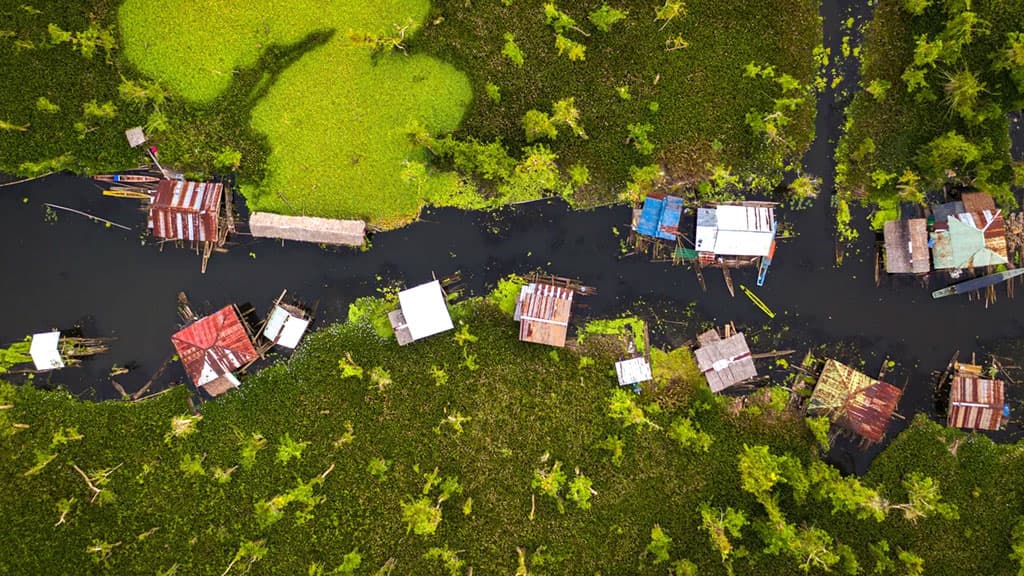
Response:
column 659, row 217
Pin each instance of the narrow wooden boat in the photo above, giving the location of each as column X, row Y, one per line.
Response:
column 128, row 178
column 977, row 283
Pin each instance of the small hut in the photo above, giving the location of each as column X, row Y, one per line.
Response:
column 190, row 212
column 45, row 351
column 659, row 217
column 976, row 403
column 968, row 233
column 735, row 230
column 633, row 371
column 543, row 312
column 423, row 312
column 726, row 361
column 906, row 246
column 854, row 400
column 286, row 325
column 212, row 348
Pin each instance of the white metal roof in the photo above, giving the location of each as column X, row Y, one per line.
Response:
column 284, row 329
column 633, row 371
column 45, row 352
column 425, row 310
column 735, row 230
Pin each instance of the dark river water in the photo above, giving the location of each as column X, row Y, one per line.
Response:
column 58, row 274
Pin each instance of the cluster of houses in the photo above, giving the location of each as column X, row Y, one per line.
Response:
column 725, row 236
column 962, row 235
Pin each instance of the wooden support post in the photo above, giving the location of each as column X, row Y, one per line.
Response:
column 207, row 250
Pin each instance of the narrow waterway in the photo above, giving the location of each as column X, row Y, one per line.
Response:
column 70, row 271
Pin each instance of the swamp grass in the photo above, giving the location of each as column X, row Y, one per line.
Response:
column 517, row 403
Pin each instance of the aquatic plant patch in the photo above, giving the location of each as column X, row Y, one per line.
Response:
column 334, row 116
column 615, row 85
column 356, row 456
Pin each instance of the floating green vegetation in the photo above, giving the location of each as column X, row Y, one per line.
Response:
column 302, row 470
column 630, row 328
column 646, row 83
column 939, row 79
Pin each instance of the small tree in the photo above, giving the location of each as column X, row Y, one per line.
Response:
column 721, row 525
column 538, row 125
column 421, row 516
column 915, row 7
column 549, row 483
column 669, row 12
column 512, row 51
column 249, row 552
column 603, row 17
column 564, row 111
column 580, row 491
column 659, row 545
column 963, row 90
column 924, row 499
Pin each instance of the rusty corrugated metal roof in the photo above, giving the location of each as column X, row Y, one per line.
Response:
column 854, row 400
column 975, row 403
column 184, row 210
column 213, row 346
column 543, row 312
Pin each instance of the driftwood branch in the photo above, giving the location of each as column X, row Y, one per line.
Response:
column 87, row 215
column 95, row 491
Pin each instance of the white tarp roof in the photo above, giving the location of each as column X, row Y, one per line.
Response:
column 45, row 352
column 735, row 230
column 633, row 371
column 425, row 310
column 284, row 329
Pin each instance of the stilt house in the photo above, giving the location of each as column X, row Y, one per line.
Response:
column 190, row 212
column 968, row 233
column 659, row 217
column 735, row 230
column 212, row 348
column 633, row 372
column 976, row 403
column 854, row 401
column 423, row 312
column 726, row 361
column 543, row 312
column 906, row 246
column 45, row 351
column 286, row 325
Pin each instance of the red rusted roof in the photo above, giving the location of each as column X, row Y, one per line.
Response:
column 213, row 346
column 543, row 312
column 183, row 210
column 854, row 400
column 975, row 403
